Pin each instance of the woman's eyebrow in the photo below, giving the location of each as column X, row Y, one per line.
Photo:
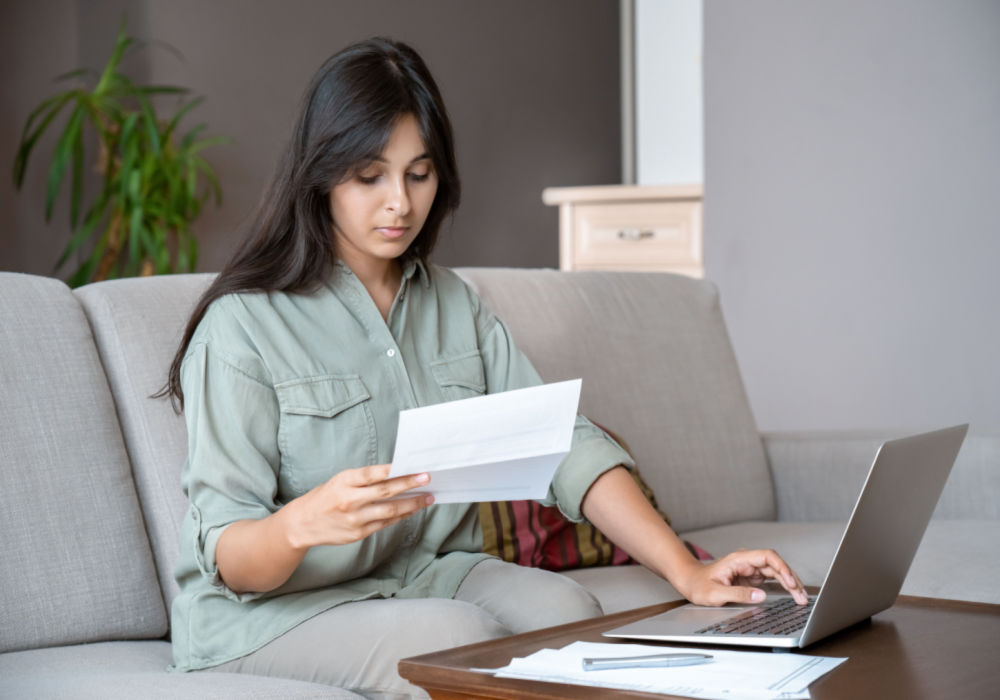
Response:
column 422, row 156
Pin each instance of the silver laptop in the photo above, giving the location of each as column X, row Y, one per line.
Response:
column 889, row 519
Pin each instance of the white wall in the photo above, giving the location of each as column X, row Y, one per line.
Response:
column 668, row 99
column 853, row 207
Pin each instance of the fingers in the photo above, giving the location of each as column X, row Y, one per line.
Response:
column 355, row 503
column 365, row 476
column 378, row 516
column 394, row 510
column 372, row 483
column 755, row 566
column 741, row 595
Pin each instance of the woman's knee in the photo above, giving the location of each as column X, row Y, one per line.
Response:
column 418, row 626
column 525, row 598
column 564, row 600
column 457, row 623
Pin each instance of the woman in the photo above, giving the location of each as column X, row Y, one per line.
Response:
column 327, row 322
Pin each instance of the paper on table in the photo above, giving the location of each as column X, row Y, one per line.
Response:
column 497, row 447
column 731, row 675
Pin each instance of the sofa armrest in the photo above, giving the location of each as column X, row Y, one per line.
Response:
column 817, row 476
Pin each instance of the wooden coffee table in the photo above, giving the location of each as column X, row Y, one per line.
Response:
column 918, row 648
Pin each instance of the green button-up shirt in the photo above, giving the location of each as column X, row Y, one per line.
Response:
column 282, row 391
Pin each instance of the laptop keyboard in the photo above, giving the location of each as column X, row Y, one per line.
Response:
column 780, row 617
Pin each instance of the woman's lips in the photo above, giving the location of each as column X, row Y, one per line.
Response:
column 392, row 231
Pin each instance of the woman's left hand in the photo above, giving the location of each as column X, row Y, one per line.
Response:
column 734, row 577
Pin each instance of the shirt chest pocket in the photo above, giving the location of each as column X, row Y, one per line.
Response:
column 326, row 426
column 461, row 376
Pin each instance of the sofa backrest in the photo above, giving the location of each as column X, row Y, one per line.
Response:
column 658, row 369
column 138, row 324
column 75, row 561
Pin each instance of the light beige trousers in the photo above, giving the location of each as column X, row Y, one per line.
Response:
column 357, row 645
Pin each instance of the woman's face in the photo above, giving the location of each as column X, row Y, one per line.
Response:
column 380, row 211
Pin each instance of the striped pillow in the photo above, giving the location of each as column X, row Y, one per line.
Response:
column 530, row 534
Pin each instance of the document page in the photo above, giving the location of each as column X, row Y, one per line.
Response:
column 732, row 675
column 498, row 447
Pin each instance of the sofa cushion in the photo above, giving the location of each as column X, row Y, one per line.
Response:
column 76, row 559
column 657, row 364
column 130, row 670
column 138, row 324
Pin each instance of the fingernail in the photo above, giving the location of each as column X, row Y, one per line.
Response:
column 757, row 596
column 428, row 499
column 423, row 478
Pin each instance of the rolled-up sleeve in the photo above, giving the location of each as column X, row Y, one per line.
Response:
column 232, row 467
column 592, row 451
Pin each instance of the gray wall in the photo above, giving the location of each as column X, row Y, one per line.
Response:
column 852, row 181
column 532, row 89
column 37, row 42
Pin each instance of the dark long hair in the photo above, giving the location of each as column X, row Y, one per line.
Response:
column 347, row 116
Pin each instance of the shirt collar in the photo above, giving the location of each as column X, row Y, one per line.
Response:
column 410, row 268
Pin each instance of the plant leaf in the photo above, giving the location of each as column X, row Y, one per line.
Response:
column 128, row 148
column 206, row 143
column 76, row 188
column 152, row 128
column 192, row 182
column 209, row 174
column 61, row 98
column 162, row 90
column 152, row 250
column 96, row 118
column 122, row 42
column 79, row 72
column 94, row 216
column 55, row 105
column 180, row 115
column 135, row 233
column 135, row 187
column 122, row 85
column 190, row 136
column 152, row 186
column 61, row 159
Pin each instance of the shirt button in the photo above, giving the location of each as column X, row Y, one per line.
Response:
column 390, row 352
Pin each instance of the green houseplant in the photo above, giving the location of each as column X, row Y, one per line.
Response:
column 153, row 181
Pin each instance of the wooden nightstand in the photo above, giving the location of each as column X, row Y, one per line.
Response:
column 629, row 227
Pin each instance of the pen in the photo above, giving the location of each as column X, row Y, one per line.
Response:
column 655, row 660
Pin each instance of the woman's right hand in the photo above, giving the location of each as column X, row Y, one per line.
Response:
column 352, row 505
column 260, row 555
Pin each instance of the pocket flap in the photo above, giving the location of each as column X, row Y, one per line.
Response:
column 321, row 396
column 464, row 370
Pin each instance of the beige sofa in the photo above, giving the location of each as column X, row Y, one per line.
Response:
column 89, row 465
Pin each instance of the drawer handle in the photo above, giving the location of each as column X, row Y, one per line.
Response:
column 634, row 234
